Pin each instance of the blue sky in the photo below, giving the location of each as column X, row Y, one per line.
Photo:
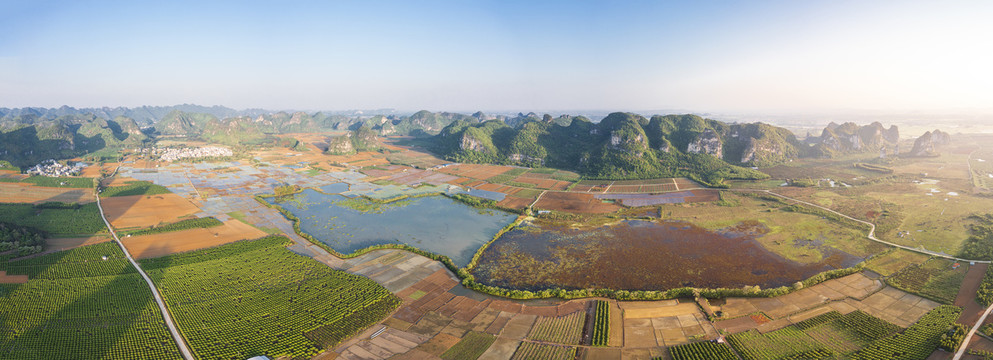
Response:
column 499, row 55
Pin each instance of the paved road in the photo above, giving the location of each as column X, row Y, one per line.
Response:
column 155, row 292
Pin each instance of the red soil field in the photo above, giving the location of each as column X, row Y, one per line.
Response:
column 575, row 202
column 28, row 193
column 155, row 245
column 146, row 210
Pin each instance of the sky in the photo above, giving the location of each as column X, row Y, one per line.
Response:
column 499, row 55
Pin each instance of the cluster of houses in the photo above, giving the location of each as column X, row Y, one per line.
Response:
column 52, row 168
column 184, row 153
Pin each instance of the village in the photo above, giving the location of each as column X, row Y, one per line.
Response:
column 170, row 154
column 54, row 169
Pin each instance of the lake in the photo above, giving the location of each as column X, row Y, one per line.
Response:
column 435, row 223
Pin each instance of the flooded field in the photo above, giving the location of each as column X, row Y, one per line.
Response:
column 436, row 224
column 642, row 255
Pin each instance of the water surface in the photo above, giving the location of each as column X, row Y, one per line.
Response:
column 435, row 223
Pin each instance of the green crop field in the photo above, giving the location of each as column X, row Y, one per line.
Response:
column 601, row 324
column 530, row 350
column 935, row 279
column 470, row 347
column 705, row 350
column 68, row 220
column 78, row 305
column 194, row 223
column 257, row 298
column 916, row 342
column 831, row 335
column 778, row 344
column 135, row 188
column 563, row 330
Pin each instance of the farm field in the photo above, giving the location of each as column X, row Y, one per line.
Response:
column 894, row 261
column 60, row 244
column 28, row 193
column 100, row 308
column 249, row 293
column 57, row 219
column 156, row 245
column 146, row 210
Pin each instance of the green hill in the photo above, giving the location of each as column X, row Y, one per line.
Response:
column 623, row 146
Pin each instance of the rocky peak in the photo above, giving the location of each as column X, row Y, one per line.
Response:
column 469, row 142
column 707, row 143
column 925, row 144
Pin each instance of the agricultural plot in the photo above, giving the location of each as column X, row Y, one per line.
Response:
column 705, row 350
column 60, row 182
column 601, row 323
column 773, row 345
column 844, row 334
column 530, row 350
column 470, row 347
column 26, row 193
column 134, row 188
column 58, row 219
column 92, row 308
column 916, row 342
column 563, row 330
column 894, row 261
column 146, row 210
column 934, row 279
column 166, row 243
column 256, row 297
column 575, row 203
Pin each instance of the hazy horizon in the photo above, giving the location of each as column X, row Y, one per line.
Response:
column 704, row 57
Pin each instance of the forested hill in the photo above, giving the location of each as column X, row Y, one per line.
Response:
column 625, row 146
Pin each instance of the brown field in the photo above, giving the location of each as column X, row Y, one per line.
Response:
column 116, row 181
column 515, row 202
column 574, row 202
column 12, row 279
column 370, row 162
column 146, row 210
column 27, row 193
column 95, row 169
column 155, row 245
column 476, row 171
column 60, row 244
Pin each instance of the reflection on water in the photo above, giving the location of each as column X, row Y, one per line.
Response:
column 642, row 255
column 436, row 224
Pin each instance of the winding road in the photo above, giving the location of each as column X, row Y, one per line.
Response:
column 155, row 292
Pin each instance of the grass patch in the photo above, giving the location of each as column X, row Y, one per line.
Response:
column 893, row 261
